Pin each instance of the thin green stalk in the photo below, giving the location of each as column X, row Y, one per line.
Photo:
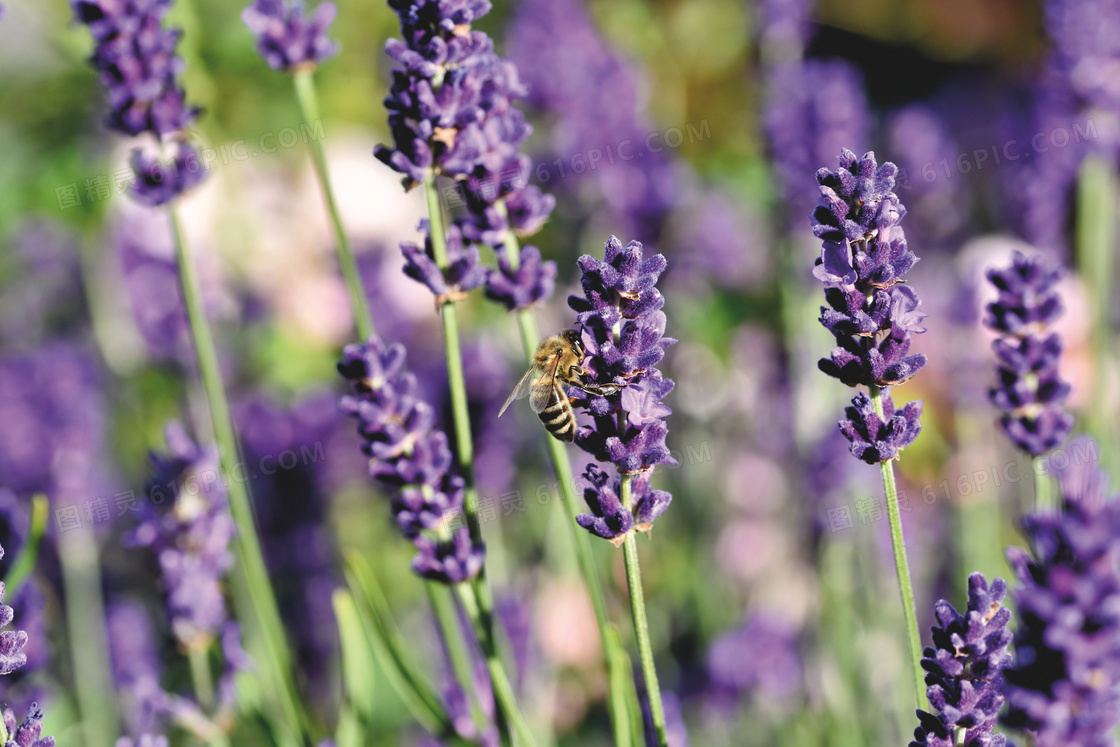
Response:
column 201, row 677
column 309, row 107
column 452, row 633
column 1097, row 193
column 89, row 642
column 393, row 653
column 902, row 567
column 24, row 563
column 618, row 662
column 464, row 444
column 641, row 625
column 255, row 587
column 1044, row 496
column 499, row 681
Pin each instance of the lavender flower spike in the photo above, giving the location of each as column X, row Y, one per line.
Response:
column 623, row 334
column 409, row 456
column 27, row 734
column 870, row 312
column 964, row 669
column 1065, row 685
column 1030, row 391
column 136, row 61
column 285, row 39
column 12, row 642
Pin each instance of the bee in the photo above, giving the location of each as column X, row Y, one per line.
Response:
column 556, row 362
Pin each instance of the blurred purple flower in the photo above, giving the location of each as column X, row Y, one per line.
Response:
column 135, row 664
column 408, row 455
column 45, row 295
column 136, row 61
column 1031, row 390
column 285, row 39
column 187, row 524
column 1063, row 687
column 144, row 740
column 762, row 654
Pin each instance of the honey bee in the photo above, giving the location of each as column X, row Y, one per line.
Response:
column 556, row 362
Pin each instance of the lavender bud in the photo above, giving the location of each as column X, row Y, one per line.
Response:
column 29, row 733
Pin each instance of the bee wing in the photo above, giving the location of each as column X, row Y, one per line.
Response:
column 521, row 390
column 542, row 389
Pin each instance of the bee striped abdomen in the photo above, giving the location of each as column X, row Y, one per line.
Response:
column 558, row 416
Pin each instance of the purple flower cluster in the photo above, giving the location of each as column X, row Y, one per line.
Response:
column 623, row 331
column 409, row 455
column 145, row 740
column 576, row 77
column 285, row 39
column 964, row 669
column 871, row 312
column 1030, row 390
column 451, row 114
column 136, row 62
column 135, row 665
column 761, row 655
column 27, row 734
column 464, row 270
column 1064, row 685
column 187, row 524
column 12, row 642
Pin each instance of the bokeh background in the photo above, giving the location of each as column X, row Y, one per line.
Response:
column 772, row 601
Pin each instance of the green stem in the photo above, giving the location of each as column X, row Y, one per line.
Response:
column 618, row 663
column 641, row 625
column 25, row 562
column 309, row 107
column 254, row 583
column 452, row 633
column 902, row 566
column 1044, row 498
column 465, row 454
column 89, row 643
column 201, row 677
column 499, row 681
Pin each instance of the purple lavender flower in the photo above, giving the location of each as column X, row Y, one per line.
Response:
column 188, row 525
column 1030, row 390
column 408, row 455
column 762, row 654
column 12, row 642
column 964, row 669
column 877, row 439
column 135, row 664
column 136, row 62
column 285, row 39
column 574, row 76
column 463, row 271
column 532, row 281
column 1063, row 687
column 623, row 334
column 870, row 313
column 27, row 734
column 451, row 113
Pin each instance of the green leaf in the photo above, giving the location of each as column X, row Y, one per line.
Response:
column 358, row 678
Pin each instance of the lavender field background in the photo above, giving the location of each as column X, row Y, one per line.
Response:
column 290, row 542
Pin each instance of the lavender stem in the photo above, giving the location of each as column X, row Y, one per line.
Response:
column 309, row 107
column 641, row 625
column 254, row 582
column 89, row 642
column 455, row 643
column 902, row 566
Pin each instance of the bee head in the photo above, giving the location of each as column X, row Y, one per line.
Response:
column 575, row 339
